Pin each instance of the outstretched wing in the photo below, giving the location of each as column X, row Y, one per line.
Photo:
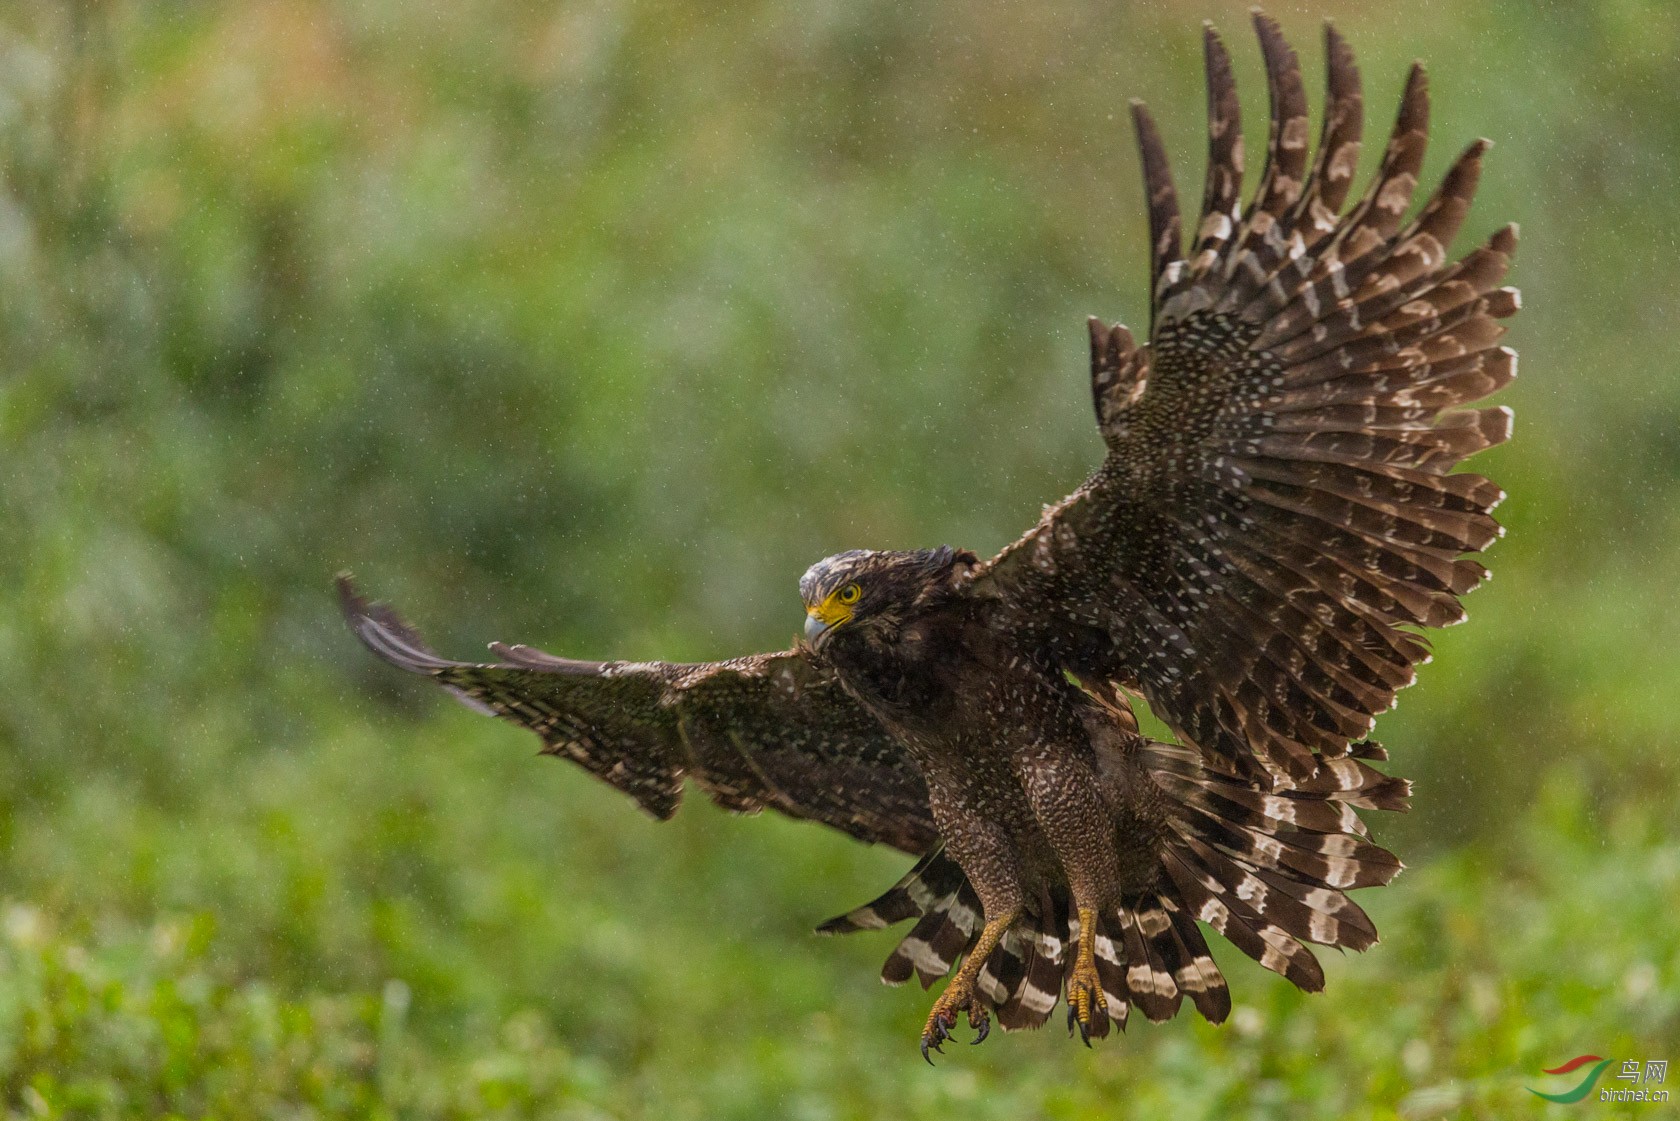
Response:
column 771, row 730
column 1276, row 513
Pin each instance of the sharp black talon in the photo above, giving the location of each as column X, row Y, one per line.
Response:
column 1073, row 1021
column 1085, row 1034
column 925, row 1054
column 981, row 1033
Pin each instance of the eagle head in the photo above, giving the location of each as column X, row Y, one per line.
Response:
column 863, row 588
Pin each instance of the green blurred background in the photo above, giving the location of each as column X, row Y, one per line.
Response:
column 591, row 325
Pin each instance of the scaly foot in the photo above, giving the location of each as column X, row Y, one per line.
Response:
column 958, row 996
column 961, row 995
column 1087, row 1007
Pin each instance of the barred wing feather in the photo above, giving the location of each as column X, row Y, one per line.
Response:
column 1277, row 512
column 767, row 731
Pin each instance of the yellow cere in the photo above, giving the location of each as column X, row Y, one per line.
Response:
column 836, row 609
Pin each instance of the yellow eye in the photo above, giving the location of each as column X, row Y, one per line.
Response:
column 851, row 593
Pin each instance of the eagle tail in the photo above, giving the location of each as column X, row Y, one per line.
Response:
column 1151, row 955
column 1021, row 981
column 1269, row 870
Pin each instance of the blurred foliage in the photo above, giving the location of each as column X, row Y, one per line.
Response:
column 591, row 325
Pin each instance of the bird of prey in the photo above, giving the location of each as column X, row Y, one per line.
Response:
column 1276, row 518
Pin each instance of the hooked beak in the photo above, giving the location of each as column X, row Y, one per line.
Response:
column 814, row 627
column 820, row 617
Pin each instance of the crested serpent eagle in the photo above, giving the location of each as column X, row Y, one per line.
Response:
column 1276, row 517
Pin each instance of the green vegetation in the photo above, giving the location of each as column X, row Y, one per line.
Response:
column 590, row 326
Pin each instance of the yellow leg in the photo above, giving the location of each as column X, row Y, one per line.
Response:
column 1086, row 1003
column 960, row 994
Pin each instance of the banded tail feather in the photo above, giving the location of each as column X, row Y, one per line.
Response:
column 1269, row 869
column 1039, row 954
column 1021, row 981
column 936, row 894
